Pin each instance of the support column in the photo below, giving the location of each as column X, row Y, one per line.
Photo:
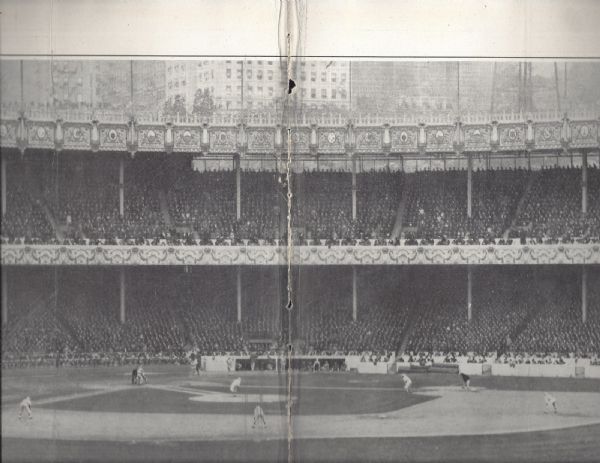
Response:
column 239, row 293
column 121, row 187
column 122, row 295
column 3, row 180
column 4, row 296
column 584, row 274
column 584, row 182
column 469, row 185
column 238, row 191
column 353, row 188
column 354, row 294
column 56, row 269
column 469, row 293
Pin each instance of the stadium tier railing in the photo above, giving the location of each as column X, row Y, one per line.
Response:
column 272, row 117
column 363, row 364
column 476, row 254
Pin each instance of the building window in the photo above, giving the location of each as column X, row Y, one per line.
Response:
column 324, row 93
column 170, row 84
column 176, row 84
column 343, row 77
column 270, row 63
column 333, row 93
column 249, row 88
column 170, row 69
column 323, row 76
column 343, row 94
column 333, row 77
column 259, row 63
column 313, row 76
column 270, row 75
column 239, row 73
column 259, row 74
column 302, row 75
column 183, row 83
column 228, row 73
column 249, row 73
column 313, row 93
column 228, row 90
column 303, row 93
column 270, row 91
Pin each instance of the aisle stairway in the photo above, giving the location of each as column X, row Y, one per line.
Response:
column 398, row 224
column 70, row 330
column 37, row 197
column 164, row 209
column 532, row 178
column 407, row 332
column 58, row 228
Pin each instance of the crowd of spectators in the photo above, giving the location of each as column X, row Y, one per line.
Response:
column 263, row 206
column 378, row 197
column 501, row 302
column 516, row 312
column 322, row 205
column 558, row 325
column 25, row 220
column 166, row 201
column 436, row 203
column 204, row 202
column 552, row 209
column 325, row 321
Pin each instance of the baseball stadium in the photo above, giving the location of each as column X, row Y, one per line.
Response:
column 334, row 274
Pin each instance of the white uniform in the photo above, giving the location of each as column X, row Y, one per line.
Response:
column 235, row 385
column 259, row 416
column 550, row 402
column 407, row 383
column 25, row 405
column 141, row 376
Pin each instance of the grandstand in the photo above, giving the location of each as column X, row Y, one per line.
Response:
column 362, row 194
column 75, row 199
column 165, row 199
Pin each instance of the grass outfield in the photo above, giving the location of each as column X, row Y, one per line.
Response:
column 580, row 444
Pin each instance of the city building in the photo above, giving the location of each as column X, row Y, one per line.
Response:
column 258, row 83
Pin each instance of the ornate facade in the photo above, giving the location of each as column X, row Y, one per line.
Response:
column 327, row 139
column 573, row 254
